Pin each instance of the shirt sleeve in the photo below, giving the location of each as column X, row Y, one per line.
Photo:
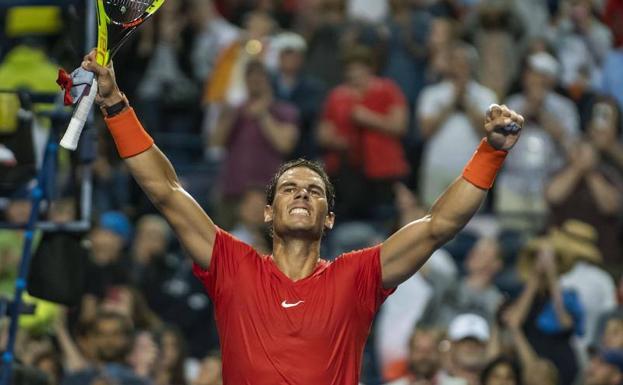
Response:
column 428, row 104
column 394, row 94
column 227, row 254
column 368, row 277
column 328, row 110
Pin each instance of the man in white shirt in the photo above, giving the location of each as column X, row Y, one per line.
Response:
column 450, row 119
column 552, row 124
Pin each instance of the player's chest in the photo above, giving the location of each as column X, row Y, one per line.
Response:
column 316, row 307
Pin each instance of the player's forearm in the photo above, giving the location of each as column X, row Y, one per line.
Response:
column 453, row 209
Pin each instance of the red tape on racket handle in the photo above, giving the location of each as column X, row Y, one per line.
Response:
column 81, row 113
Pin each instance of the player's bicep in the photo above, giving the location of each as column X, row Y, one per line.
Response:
column 406, row 251
column 194, row 229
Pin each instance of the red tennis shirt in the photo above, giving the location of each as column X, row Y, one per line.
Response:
column 276, row 331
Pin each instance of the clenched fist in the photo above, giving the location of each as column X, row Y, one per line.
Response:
column 107, row 92
column 503, row 127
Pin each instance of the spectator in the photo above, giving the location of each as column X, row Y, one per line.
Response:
column 612, row 13
column 361, row 127
column 612, row 337
column 227, row 81
column 258, row 136
column 450, row 119
column 589, row 190
column 424, row 361
column 50, row 364
column 605, row 368
column 501, row 371
column 326, row 40
column 292, row 85
column 549, row 315
column 149, row 248
column 165, row 280
column 581, row 41
column 595, row 287
column 170, row 370
column 469, row 335
column 108, row 261
column 495, row 29
column 612, row 83
column 214, row 33
column 250, row 227
column 143, row 357
column 112, row 337
column 167, row 93
column 442, row 35
column 476, row 292
column 210, row 372
column 604, row 131
column 408, row 30
column 535, row 370
column 551, row 124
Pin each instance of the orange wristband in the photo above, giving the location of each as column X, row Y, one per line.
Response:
column 129, row 135
column 484, row 165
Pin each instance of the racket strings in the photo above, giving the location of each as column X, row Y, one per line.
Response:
column 128, row 10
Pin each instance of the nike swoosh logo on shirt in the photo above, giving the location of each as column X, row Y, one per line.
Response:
column 286, row 305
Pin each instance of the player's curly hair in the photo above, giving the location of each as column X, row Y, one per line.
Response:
column 315, row 167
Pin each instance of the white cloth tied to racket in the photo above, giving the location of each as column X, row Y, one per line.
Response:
column 76, row 85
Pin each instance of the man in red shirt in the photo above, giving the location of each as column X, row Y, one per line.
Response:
column 361, row 128
column 292, row 317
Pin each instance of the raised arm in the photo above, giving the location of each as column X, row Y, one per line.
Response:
column 409, row 248
column 153, row 171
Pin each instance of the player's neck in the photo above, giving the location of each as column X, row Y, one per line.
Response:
column 296, row 258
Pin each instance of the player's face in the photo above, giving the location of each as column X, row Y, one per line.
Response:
column 300, row 206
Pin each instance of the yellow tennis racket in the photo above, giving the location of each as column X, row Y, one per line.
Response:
column 116, row 21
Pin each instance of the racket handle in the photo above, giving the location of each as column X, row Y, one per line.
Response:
column 81, row 113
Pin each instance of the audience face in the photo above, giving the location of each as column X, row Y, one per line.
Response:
column 484, row 258
column 291, row 61
column 599, row 372
column 259, row 25
column 106, row 246
column 152, row 235
column 469, row 354
column 501, row 374
column 251, row 209
column 536, row 84
column 258, row 83
column 424, row 358
column 441, row 33
column 112, row 340
column 358, row 74
column 461, row 68
column 171, row 349
column 210, row 372
column 18, row 211
column 613, row 334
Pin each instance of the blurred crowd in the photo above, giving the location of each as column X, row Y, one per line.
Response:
column 390, row 96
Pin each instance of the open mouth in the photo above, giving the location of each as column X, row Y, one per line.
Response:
column 299, row 211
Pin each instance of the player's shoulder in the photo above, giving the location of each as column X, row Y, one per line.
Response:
column 357, row 257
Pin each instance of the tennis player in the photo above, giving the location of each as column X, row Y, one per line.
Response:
column 292, row 317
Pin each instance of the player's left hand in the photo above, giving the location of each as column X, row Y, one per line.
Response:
column 503, row 127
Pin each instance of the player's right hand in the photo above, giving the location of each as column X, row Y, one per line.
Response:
column 108, row 92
